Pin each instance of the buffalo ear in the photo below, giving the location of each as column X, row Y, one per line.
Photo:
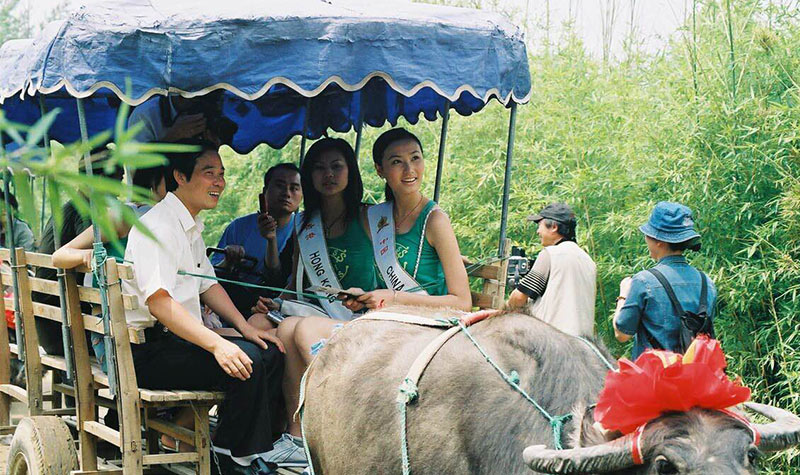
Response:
column 591, row 433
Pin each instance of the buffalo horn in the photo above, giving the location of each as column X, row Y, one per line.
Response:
column 607, row 457
column 782, row 433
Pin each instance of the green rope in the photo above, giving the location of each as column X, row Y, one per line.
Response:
column 596, row 351
column 247, row 284
column 408, row 392
column 556, row 422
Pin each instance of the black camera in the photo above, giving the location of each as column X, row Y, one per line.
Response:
column 518, row 266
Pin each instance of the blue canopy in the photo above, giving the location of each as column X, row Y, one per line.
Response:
column 281, row 65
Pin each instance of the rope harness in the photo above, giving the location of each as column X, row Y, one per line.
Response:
column 408, row 391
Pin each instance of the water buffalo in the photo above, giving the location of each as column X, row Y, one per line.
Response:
column 467, row 419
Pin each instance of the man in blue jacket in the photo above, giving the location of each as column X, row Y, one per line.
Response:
column 644, row 309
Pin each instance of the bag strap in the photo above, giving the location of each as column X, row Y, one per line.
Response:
column 676, row 305
column 703, row 307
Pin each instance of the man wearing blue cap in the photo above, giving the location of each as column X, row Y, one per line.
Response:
column 645, row 309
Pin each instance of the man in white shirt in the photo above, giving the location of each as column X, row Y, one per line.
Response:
column 563, row 280
column 181, row 353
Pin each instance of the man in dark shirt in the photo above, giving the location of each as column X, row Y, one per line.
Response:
column 73, row 223
column 266, row 236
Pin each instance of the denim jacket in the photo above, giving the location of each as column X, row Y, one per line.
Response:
column 648, row 307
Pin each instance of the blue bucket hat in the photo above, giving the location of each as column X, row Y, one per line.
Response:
column 670, row 222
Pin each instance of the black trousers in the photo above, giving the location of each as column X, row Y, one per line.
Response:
column 251, row 415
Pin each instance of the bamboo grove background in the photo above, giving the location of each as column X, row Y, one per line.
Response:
column 711, row 120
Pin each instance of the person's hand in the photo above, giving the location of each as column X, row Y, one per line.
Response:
column 233, row 254
column 233, row 360
column 267, row 226
column 261, row 337
column 377, row 298
column 264, row 305
column 87, row 257
column 625, row 287
column 185, row 126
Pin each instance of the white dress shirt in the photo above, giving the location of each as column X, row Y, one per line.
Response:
column 179, row 246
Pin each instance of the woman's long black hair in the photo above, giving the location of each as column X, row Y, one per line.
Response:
column 384, row 141
column 312, row 199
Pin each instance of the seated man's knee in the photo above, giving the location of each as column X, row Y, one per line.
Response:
column 260, row 357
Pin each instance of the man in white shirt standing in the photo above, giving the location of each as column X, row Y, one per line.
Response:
column 563, row 280
column 181, row 353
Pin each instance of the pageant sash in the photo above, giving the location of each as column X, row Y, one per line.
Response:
column 381, row 226
column 317, row 264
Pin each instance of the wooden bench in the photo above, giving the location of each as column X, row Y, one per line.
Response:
column 91, row 385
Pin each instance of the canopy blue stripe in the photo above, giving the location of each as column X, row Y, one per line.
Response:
column 400, row 60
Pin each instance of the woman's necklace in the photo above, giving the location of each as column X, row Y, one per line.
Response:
column 326, row 228
column 399, row 222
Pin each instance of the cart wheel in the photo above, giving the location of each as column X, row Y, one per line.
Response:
column 42, row 445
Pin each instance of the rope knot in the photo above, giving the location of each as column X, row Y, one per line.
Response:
column 407, row 392
column 449, row 321
column 100, row 256
column 557, row 424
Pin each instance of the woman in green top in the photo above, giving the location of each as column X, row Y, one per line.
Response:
column 437, row 266
column 332, row 187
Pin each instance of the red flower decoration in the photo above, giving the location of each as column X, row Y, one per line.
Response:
column 661, row 381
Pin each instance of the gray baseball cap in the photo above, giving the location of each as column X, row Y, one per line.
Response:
column 558, row 212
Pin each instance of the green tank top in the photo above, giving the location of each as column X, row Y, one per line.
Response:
column 351, row 258
column 429, row 269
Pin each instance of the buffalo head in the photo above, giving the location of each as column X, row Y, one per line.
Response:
column 695, row 442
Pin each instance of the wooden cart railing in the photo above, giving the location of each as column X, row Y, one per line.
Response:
column 91, row 384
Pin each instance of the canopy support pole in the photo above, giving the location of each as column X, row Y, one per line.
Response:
column 19, row 332
column 501, row 248
column 66, row 324
column 305, row 131
column 360, row 124
column 442, row 146
column 99, row 253
column 43, row 111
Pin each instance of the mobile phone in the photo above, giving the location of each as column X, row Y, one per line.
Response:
column 262, row 203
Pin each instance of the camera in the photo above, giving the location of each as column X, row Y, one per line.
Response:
column 518, row 266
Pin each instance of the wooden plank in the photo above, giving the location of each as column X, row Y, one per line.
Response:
column 124, row 270
column 91, row 322
column 491, row 271
column 7, row 279
column 62, row 411
column 46, row 260
column 482, row 300
column 161, row 459
column 202, row 440
column 33, row 364
column 84, row 388
column 5, row 364
column 86, row 294
column 166, row 396
column 16, row 392
column 127, row 390
column 173, row 430
column 106, row 433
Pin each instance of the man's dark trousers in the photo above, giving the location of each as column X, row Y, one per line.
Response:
column 251, row 415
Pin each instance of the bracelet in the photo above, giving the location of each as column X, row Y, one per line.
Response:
column 621, row 298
